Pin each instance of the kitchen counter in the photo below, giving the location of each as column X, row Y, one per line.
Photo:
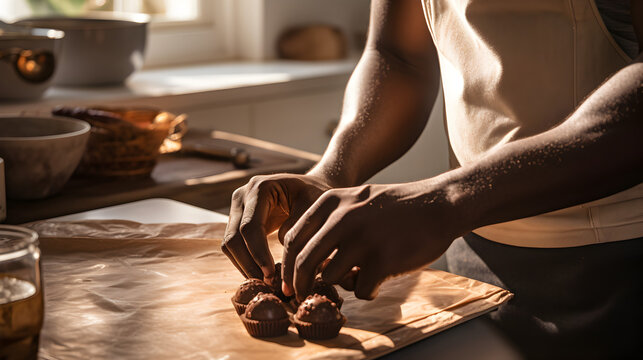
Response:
column 205, row 182
column 295, row 103
column 474, row 339
column 199, row 85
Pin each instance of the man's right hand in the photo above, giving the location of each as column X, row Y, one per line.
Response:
column 265, row 204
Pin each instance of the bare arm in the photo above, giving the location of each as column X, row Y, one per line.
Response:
column 388, row 98
column 387, row 104
column 376, row 231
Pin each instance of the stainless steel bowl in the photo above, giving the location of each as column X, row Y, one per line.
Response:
column 40, row 153
column 97, row 51
column 28, row 58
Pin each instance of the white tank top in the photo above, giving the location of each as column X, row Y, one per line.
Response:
column 512, row 69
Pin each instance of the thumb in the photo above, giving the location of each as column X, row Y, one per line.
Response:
column 349, row 280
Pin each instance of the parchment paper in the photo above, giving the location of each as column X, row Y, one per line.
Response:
column 124, row 290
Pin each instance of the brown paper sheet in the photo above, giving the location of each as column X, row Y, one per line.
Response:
column 123, row 290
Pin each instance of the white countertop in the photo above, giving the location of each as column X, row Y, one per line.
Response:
column 475, row 339
column 199, row 84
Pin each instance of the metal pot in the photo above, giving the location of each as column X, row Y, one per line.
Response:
column 28, row 59
column 97, row 51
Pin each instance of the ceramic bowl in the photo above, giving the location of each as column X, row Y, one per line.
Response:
column 40, row 153
column 97, row 51
column 14, row 40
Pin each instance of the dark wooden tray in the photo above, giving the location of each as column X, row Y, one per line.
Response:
column 197, row 180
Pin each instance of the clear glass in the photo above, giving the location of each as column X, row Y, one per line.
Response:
column 21, row 296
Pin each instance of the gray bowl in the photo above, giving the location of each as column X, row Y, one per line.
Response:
column 13, row 39
column 40, row 153
column 97, row 51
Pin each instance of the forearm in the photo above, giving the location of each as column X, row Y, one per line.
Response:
column 386, row 107
column 594, row 153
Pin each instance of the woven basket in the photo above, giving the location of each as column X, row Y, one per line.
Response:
column 124, row 142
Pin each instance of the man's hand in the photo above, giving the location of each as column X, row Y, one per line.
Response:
column 399, row 66
column 371, row 231
column 265, row 204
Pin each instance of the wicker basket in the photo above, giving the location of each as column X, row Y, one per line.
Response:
column 124, row 142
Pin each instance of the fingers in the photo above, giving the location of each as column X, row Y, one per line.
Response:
column 324, row 263
column 233, row 246
column 340, row 264
column 283, row 230
column 295, row 240
column 253, row 230
column 233, row 260
column 294, row 215
column 318, row 248
column 368, row 282
column 349, row 279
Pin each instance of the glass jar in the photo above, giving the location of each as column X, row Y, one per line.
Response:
column 21, row 297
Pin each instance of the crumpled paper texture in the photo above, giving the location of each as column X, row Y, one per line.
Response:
column 124, row 290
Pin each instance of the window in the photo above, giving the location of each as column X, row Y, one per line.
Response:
column 161, row 11
column 180, row 31
column 193, row 31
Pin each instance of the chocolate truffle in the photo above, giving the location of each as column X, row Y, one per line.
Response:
column 318, row 318
column 276, row 282
column 247, row 291
column 323, row 288
column 265, row 316
column 265, row 307
column 320, row 287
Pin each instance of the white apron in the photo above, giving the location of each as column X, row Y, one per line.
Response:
column 515, row 68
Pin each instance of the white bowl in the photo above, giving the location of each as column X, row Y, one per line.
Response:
column 12, row 39
column 97, row 51
column 40, row 153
